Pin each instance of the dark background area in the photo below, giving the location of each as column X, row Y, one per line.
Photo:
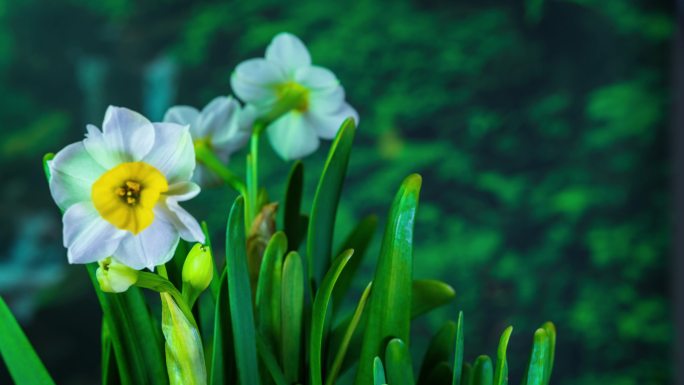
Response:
column 540, row 128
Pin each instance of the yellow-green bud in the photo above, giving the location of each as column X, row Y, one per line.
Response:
column 115, row 277
column 198, row 269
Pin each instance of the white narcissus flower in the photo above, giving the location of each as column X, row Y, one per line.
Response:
column 222, row 125
column 119, row 190
column 287, row 67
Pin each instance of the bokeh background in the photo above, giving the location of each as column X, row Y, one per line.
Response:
column 540, row 128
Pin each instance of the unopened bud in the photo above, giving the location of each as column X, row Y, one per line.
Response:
column 198, row 270
column 115, row 277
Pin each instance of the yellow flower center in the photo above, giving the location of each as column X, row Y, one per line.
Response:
column 295, row 93
column 125, row 195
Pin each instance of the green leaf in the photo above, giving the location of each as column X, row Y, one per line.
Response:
column 440, row 349
column 429, row 294
column 420, row 304
column 441, row 374
column 467, row 378
column 240, row 297
column 347, row 337
column 291, row 315
column 138, row 350
column 223, row 369
column 270, row 361
column 501, row 372
column 293, row 224
column 378, row 372
column 483, row 371
column 358, row 240
column 550, row 329
column 398, row 361
column 458, row 352
column 21, row 360
column 538, row 358
column 110, row 374
column 319, row 313
column 326, row 198
column 269, row 286
column 389, row 309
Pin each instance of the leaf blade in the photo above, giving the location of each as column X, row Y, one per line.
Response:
column 21, row 359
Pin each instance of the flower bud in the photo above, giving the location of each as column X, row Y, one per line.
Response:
column 198, row 269
column 115, row 277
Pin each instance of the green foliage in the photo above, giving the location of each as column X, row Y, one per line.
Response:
column 24, row 365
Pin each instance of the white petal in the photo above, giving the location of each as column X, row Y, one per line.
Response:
column 173, row 153
column 287, row 50
column 87, row 235
column 127, row 134
column 104, row 153
column 236, row 132
column 327, row 101
column 72, row 174
column 327, row 124
column 151, row 247
column 215, row 117
column 254, row 81
column 184, row 223
column 292, row 137
column 316, row 78
column 183, row 115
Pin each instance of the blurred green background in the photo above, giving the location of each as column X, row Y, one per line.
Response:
column 540, row 128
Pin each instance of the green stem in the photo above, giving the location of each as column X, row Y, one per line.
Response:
column 208, row 158
column 253, row 179
column 161, row 284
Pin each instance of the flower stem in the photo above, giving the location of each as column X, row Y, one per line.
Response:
column 208, row 158
column 161, row 284
column 253, row 178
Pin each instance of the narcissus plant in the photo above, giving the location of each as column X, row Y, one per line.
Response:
column 270, row 309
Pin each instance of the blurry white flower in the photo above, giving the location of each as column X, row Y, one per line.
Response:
column 222, row 125
column 115, row 277
column 287, row 69
column 119, row 189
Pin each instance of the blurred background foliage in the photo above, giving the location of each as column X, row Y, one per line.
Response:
column 540, row 128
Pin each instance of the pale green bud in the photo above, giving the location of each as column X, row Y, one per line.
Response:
column 115, row 277
column 198, row 269
column 184, row 353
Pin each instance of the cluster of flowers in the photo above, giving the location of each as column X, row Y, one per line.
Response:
column 120, row 187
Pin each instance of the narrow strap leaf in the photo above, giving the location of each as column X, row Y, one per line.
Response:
column 319, row 312
column 270, row 361
column 458, row 351
column 358, row 240
column 240, row 297
column 429, row 294
column 483, row 371
column 501, row 372
column 398, row 361
column 292, row 304
column 344, row 343
column 135, row 338
column 389, row 313
column 292, row 217
column 223, row 369
column 110, row 375
column 326, row 198
column 21, row 359
column 378, row 372
column 440, row 349
column 269, row 286
column 538, row 359
column 550, row 329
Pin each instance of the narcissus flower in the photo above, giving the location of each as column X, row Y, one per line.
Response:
column 115, row 277
column 119, row 190
column 222, row 125
column 287, row 70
